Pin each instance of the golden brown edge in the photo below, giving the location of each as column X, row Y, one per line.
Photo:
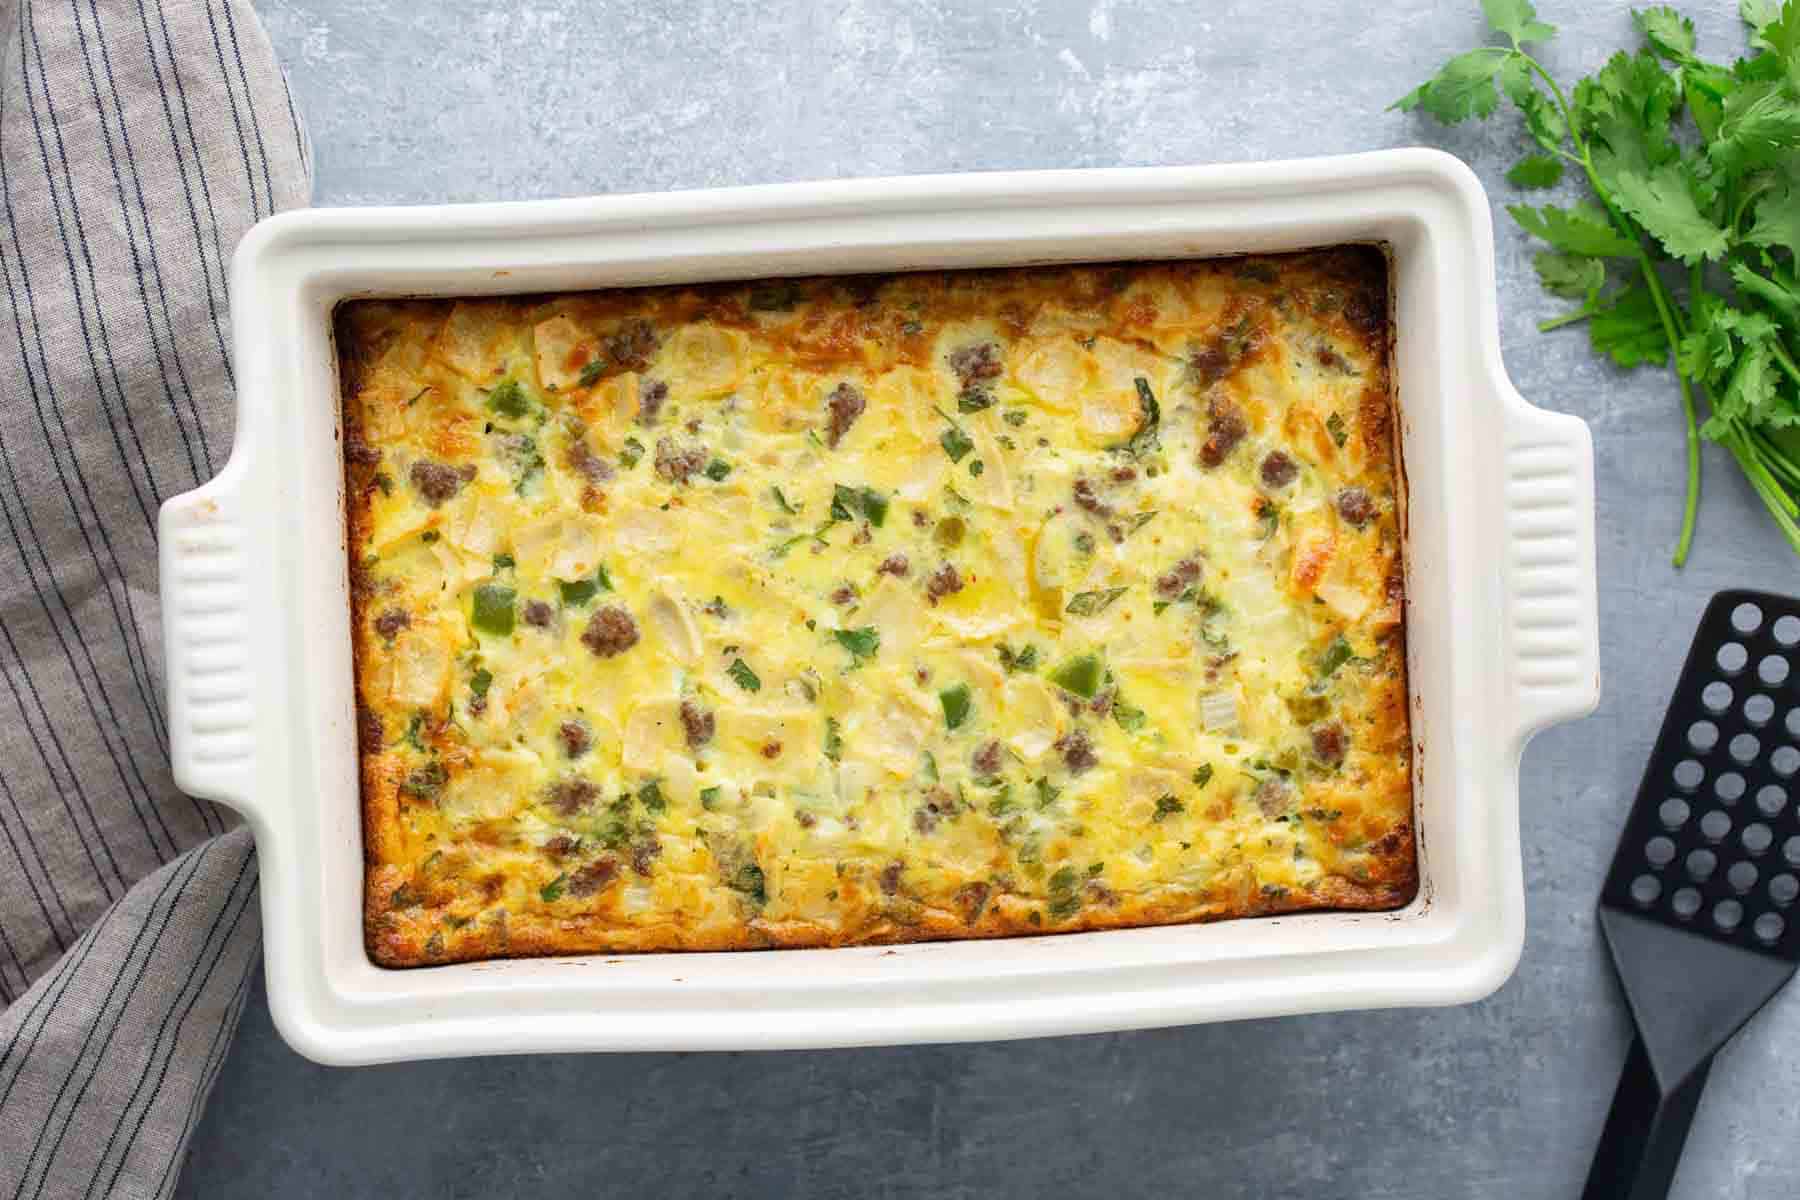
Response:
column 405, row 952
column 352, row 356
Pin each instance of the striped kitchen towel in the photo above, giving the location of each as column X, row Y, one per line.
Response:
column 139, row 139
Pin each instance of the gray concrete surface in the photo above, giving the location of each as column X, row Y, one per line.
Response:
column 459, row 100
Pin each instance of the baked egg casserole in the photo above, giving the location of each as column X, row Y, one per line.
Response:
column 854, row 610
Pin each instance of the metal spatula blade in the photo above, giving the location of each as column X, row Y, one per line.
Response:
column 1699, row 905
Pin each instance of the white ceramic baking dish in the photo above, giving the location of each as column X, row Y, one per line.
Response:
column 1501, row 612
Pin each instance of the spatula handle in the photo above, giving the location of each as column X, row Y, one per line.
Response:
column 1641, row 1144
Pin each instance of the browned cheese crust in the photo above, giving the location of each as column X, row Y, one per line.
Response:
column 862, row 610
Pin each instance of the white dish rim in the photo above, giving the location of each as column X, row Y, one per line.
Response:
column 1502, row 618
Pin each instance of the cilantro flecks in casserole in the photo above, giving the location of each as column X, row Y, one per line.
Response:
column 820, row 612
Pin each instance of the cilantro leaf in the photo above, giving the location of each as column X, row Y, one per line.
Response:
column 1625, row 110
column 1517, row 20
column 1754, row 393
column 1717, row 333
column 1145, row 438
column 1536, row 171
column 1779, row 34
column 858, row 504
column 1758, row 15
column 1751, row 394
column 743, row 676
column 1582, row 229
column 1665, row 205
column 1570, row 275
column 1777, row 220
column 956, row 443
column 1464, row 88
column 1744, row 327
column 1735, row 352
column 1543, row 119
column 1705, row 88
column 1761, row 126
column 1783, row 298
column 1630, row 329
column 1781, row 423
column 863, row 644
column 846, row 504
column 1669, row 33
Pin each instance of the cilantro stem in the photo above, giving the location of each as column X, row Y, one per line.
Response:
column 1580, row 314
column 1658, row 296
column 1779, row 463
column 1756, row 188
column 1774, row 489
column 1784, row 360
column 1562, row 102
column 1691, row 506
column 1671, row 324
column 1781, row 506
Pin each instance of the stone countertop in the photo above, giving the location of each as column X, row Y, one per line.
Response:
column 1505, row 1097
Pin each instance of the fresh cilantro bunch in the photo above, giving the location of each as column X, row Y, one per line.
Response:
column 1687, row 252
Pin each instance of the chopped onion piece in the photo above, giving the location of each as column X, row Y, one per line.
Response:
column 671, row 620
column 1219, row 712
column 1350, row 603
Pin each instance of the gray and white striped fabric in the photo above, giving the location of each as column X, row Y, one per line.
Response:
column 139, row 139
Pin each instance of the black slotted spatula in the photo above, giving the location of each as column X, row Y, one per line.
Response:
column 1699, row 906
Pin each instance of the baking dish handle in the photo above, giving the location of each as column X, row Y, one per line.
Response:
column 1548, row 580
column 204, row 563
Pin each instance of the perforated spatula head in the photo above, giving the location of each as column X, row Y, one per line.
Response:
column 1699, row 905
